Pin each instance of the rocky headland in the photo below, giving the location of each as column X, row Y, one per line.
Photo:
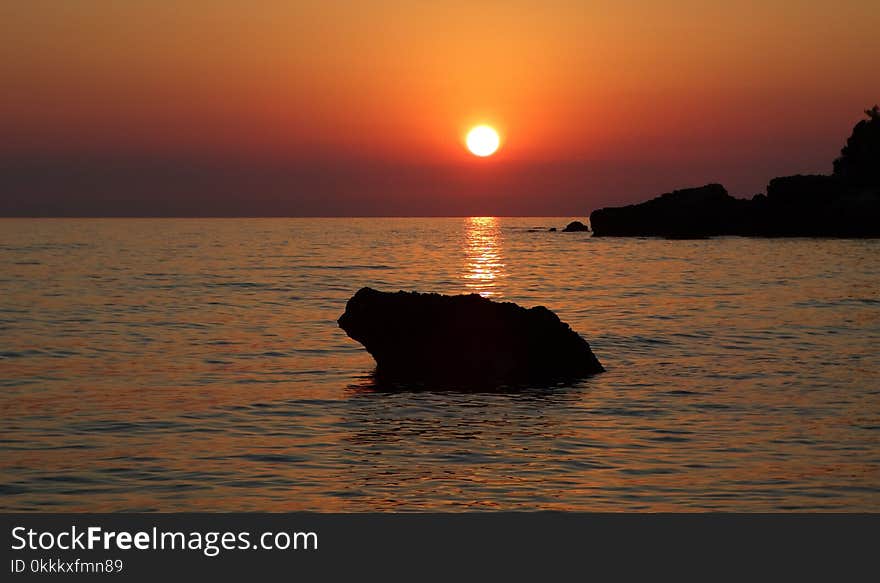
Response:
column 845, row 203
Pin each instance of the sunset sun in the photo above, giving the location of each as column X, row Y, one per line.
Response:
column 482, row 141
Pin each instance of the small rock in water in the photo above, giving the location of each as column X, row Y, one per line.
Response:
column 464, row 339
column 575, row 227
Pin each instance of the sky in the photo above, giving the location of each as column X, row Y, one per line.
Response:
column 350, row 108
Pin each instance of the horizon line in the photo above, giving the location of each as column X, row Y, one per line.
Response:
column 184, row 217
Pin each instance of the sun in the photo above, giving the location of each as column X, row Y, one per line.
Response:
column 482, row 141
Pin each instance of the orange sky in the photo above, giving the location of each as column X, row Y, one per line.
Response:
column 586, row 94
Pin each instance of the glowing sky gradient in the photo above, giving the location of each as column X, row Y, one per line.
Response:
column 360, row 108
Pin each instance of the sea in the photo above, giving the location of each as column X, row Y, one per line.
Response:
column 196, row 364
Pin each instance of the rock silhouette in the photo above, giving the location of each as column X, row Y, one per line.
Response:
column 575, row 227
column 843, row 204
column 464, row 339
column 859, row 162
column 691, row 212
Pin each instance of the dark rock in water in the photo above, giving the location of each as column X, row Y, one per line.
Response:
column 575, row 227
column 691, row 212
column 844, row 204
column 552, row 229
column 465, row 339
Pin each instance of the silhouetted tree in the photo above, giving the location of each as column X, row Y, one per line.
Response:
column 859, row 161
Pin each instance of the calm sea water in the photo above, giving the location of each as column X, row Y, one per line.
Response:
column 197, row 365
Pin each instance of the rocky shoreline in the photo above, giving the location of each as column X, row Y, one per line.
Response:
column 845, row 203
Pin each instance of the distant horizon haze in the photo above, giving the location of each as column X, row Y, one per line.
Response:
column 130, row 186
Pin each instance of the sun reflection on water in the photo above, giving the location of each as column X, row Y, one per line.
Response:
column 484, row 265
column 220, row 382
